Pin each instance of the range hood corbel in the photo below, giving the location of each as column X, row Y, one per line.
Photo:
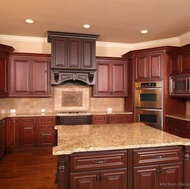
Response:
column 59, row 77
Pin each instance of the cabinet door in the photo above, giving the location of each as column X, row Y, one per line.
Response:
column 171, row 174
column 40, row 76
column 2, row 138
column 119, row 79
column 146, row 177
column 113, row 179
column 99, row 119
column 3, row 75
column 174, row 65
column 21, row 74
column 185, row 59
column 59, row 52
column 84, row 180
column 141, row 67
column 74, row 53
column 88, row 54
column 102, row 87
column 28, row 131
column 155, row 66
column 12, row 133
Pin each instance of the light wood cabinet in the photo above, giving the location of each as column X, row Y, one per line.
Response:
column 30, row 75
column 112, row 77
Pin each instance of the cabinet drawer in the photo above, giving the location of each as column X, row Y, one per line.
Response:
column 47, row 120
column 99, row 119
column 46, row 127
column 99, row 160
column 161, row 155
column 28, row 120
column 177, row 122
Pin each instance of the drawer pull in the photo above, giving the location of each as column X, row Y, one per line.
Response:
column 159, row 157
column 99, row 162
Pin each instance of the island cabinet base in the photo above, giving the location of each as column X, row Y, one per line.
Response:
column 150, row 168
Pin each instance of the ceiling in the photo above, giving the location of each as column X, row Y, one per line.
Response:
column 114, row 20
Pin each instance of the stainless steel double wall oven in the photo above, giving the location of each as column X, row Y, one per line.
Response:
column 149, row 103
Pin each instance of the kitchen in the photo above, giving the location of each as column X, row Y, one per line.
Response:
column 95, row 104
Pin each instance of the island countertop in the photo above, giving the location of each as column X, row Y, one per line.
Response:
column 85, row 138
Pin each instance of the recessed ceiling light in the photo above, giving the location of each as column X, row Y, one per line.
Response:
column 86, row 26
column 144, row 31
column 29, row 21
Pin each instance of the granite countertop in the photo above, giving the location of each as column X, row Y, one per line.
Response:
column 185, row 117
column 5, row 115
column 84, row 138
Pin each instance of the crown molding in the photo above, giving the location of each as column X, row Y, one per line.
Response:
column 175, row 41
column 23, row 38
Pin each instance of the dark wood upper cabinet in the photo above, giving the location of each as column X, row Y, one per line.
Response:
column 111, row 77
column 72, row 50
column 5, row 51
column 148, row 66
column 179, row 61
column 29, row 75
column 73, row 57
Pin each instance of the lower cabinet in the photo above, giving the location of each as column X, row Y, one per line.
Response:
column 2, row 138
column 111, row 118
column 104, row 179
column 158, row 168
column 178, row 127
column 30, row 132
column 106, row 170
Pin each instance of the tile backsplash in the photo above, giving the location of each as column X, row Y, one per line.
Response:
column 64, row 98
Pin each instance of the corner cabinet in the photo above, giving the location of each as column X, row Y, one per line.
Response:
column 112, row 77
column 5, row 51
column 29, row 75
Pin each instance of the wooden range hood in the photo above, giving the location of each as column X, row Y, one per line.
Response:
column 73, row 57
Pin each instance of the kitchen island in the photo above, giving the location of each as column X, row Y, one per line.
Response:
column 121, row 156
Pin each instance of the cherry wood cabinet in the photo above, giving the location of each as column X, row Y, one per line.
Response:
column 5, row 51
column 112, row 77
column 155, row 168
column 105, row 170
column 112, row 118
column 179, row 61
column 30, row 75
column 46, row 131
column 178, row 127
column 148, row 66
column 2, row 138
column 12, row 133
column 30, row 132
